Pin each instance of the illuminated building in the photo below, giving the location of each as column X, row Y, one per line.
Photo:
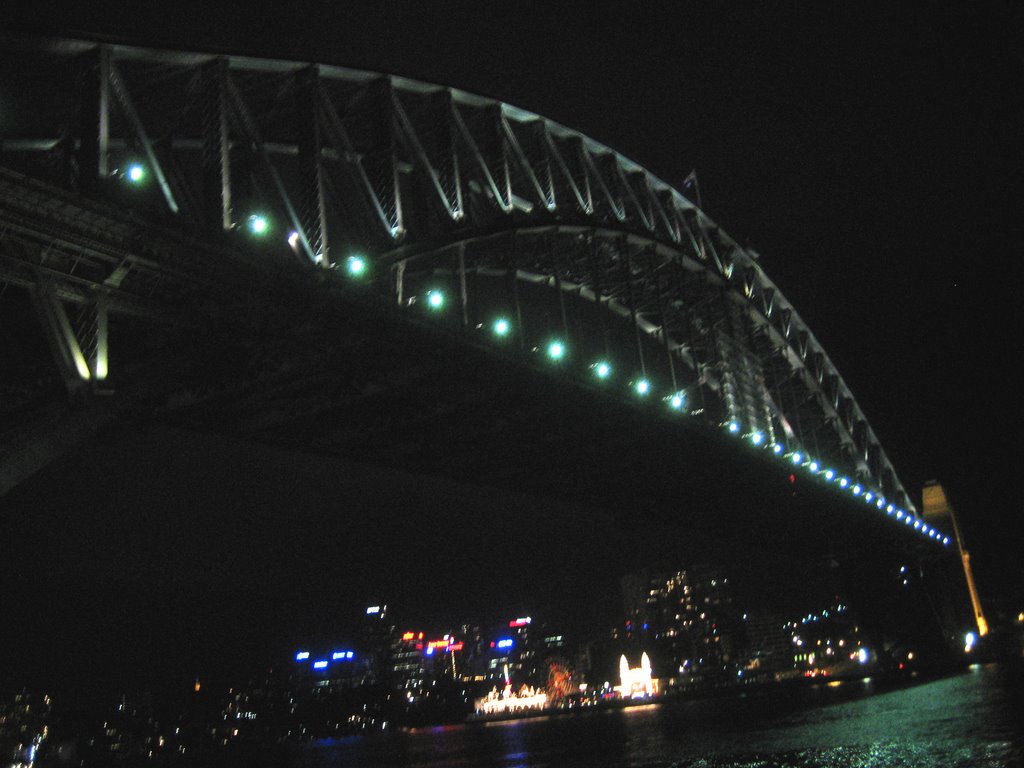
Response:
column 686, row 618
column 636, row 682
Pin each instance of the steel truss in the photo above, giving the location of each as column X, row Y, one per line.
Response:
column 426, row 182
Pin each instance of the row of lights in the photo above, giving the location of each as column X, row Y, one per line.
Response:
column 557, row 351
column 356, row 266
column 867, row 495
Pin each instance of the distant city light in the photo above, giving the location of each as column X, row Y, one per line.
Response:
column 556, row 350
column 373, row 609
column 501, row 327
column 505, row 643
column 435, row 299
column 862, row 656
column 430, row 650
column 322, row 664
column 302, row 655
column 969, row 640
column 520, row 622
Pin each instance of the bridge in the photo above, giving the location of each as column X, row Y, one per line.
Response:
column 355, row 263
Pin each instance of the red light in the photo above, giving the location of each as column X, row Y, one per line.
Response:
column 492, row 644
column 455, row 647
column 792, row 479
column 419, row 646
column 520, row 622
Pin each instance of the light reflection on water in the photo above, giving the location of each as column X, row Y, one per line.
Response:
column 970, row 720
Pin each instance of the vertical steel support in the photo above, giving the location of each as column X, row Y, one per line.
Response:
column 595, row 279
column 400, row 283
column 628, row 277
column 514, row 280
column 216, row 152
column 463, row 298
column 558, row 287
column 94, row 119
column 99, row 362
column 312, row 209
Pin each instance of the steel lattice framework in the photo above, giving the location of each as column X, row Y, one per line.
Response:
column 434, row 187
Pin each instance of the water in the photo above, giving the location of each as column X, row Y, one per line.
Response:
column 972, row 719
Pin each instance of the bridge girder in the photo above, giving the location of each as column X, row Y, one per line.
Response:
column 421, row 180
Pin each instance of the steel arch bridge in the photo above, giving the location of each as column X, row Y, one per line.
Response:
column 428, row 194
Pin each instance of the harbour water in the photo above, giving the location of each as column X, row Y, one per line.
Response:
column 970, row 719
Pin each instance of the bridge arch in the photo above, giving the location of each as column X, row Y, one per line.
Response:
column 431, row 184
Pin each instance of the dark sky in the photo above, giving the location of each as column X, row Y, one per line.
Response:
column 871, row 155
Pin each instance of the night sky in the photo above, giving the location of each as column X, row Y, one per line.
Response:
column 872, row 156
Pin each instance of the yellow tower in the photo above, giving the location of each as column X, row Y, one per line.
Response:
column 936, row 505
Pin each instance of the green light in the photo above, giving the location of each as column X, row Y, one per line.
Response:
column 556, row 350
column 602, row 370
column 435, row 299
column 259, row 224
column 136, row 173
column 677, row 401
column 642, row 387
column 356, row 266
column 501, row 327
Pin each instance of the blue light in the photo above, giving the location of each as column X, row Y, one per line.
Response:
column 502, row 327
column 430, row 650
column 945, row 540
column 880, row 503
column 677, row 401
column 505, row 643
column 813, row 466
column 797, row 458
column 829, row 474
column 322, row 664
column 342, row 655
column 602, row 370
column 899, row 514
column 556, row 350
column 890, row 509
column 917, row 524
column 856, row 490
column 302, row 655
column 777, row 449
column 435, row 299
column 869, row 496
column 757, row 438
column 734, row 427
column 843, row 482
